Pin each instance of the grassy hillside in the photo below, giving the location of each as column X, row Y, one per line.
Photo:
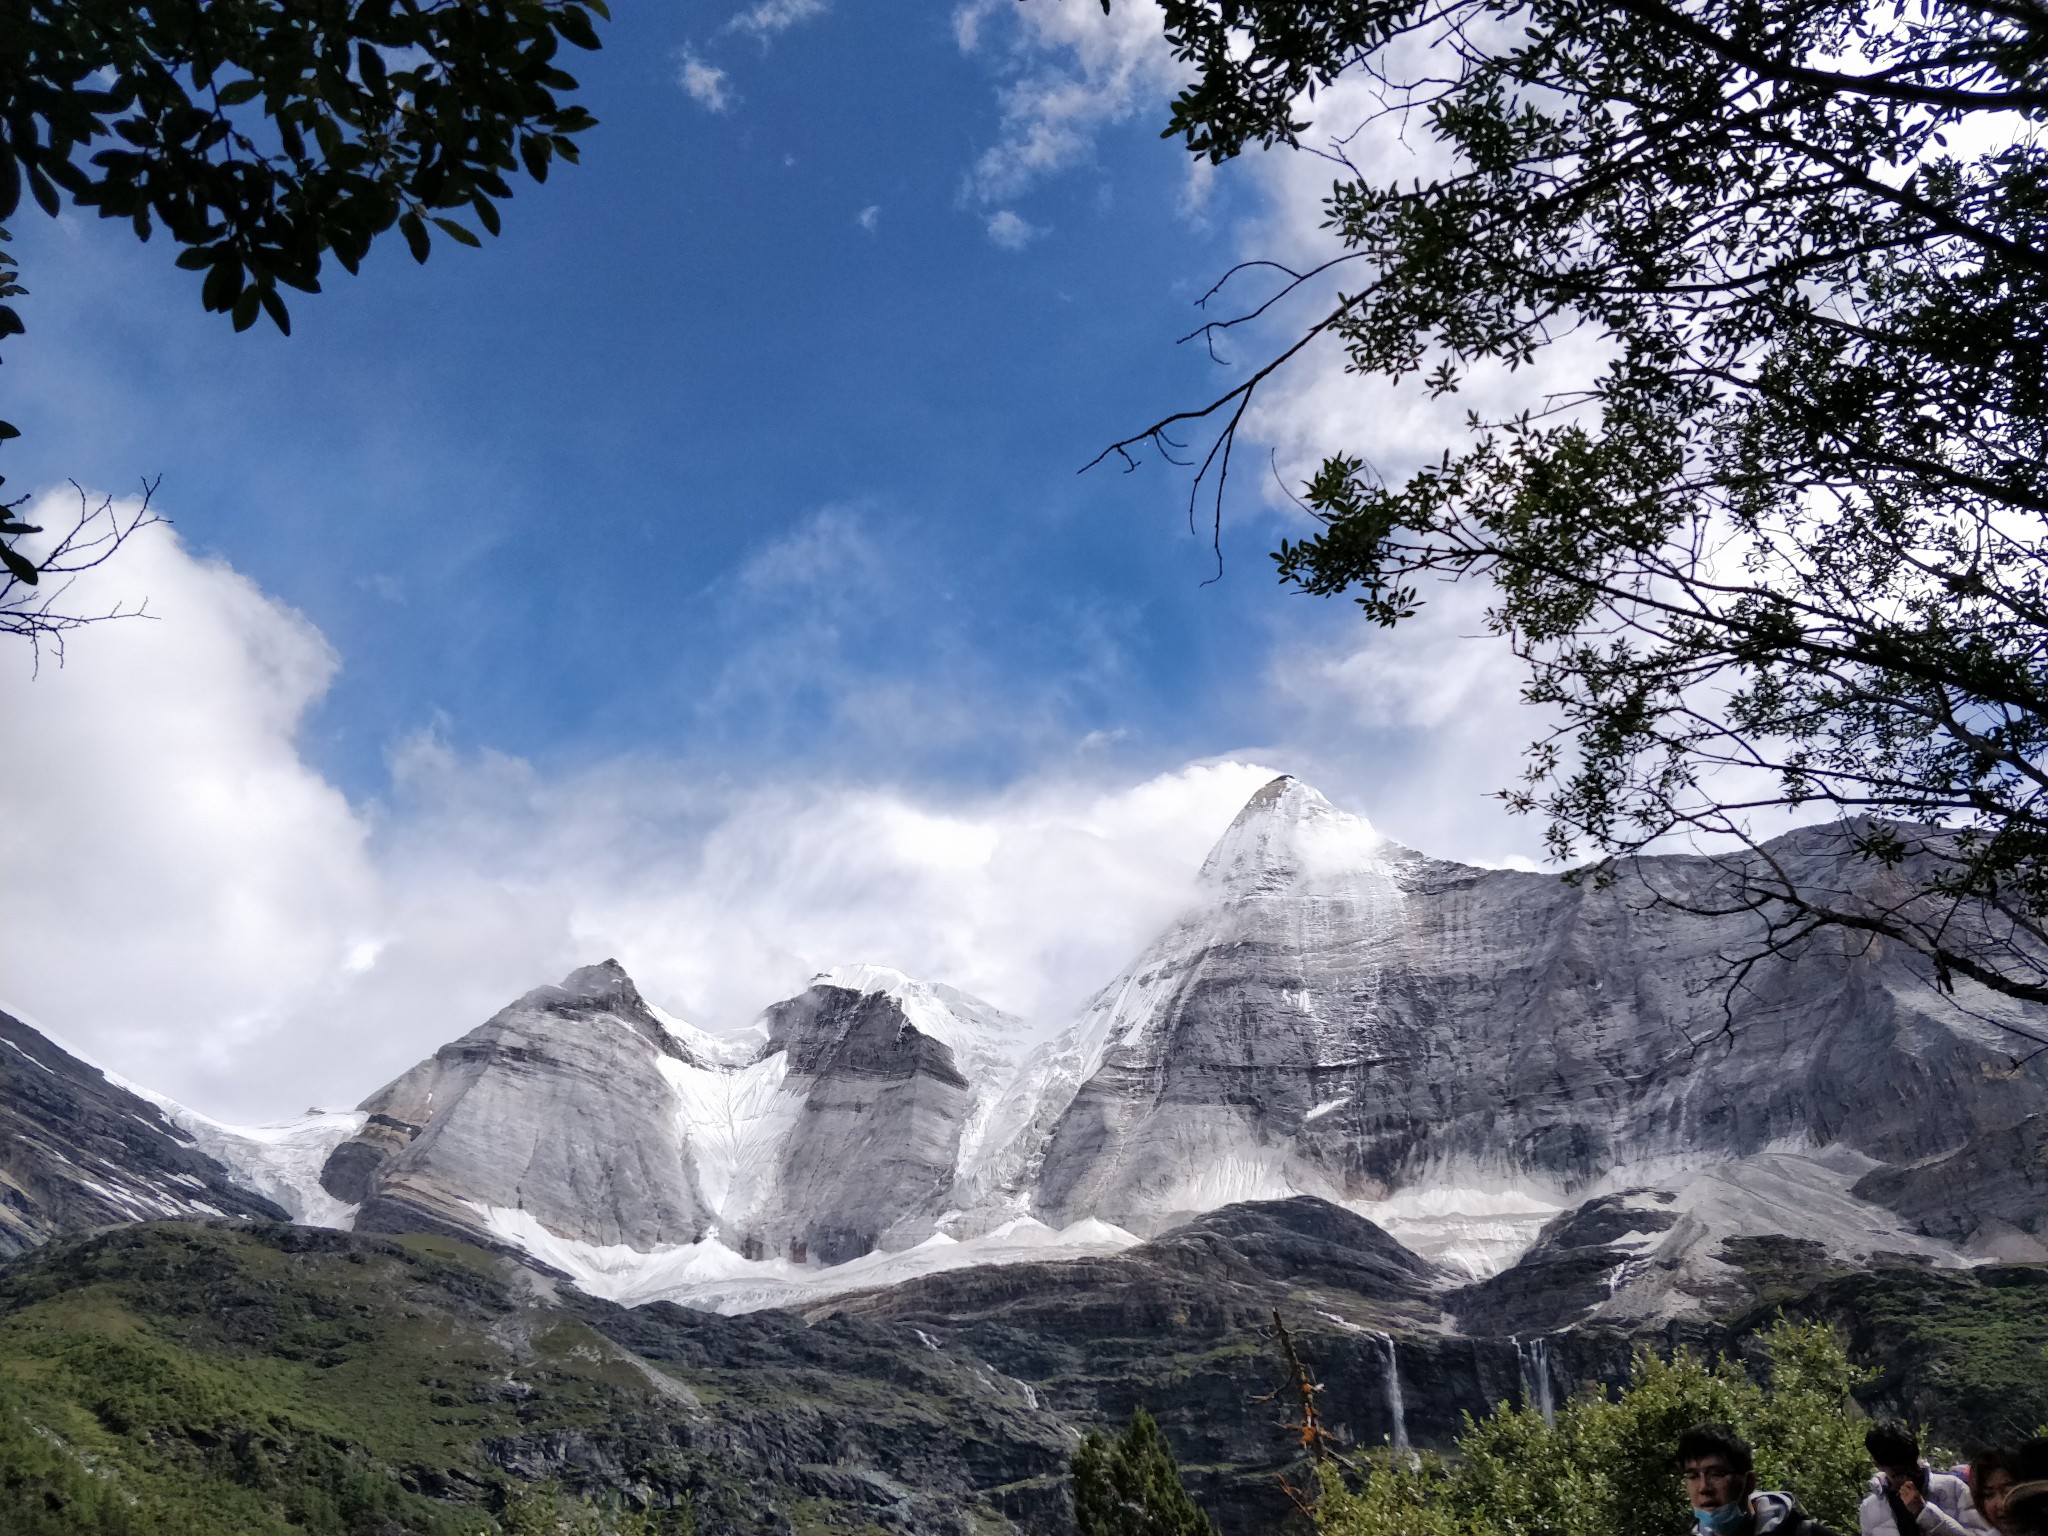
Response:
column 225, row 1380
column 222, row 1379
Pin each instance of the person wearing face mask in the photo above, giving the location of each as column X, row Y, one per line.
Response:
column 1720, row 1480
column 1907, row 1497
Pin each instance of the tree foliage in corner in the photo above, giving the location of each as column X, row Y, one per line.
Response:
column 1788, row 546
column 1130, row 1486
column 264, row 136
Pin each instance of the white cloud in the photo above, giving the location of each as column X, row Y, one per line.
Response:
column 178, row 880
column 772, row 17
column 1010, row 231
column 190, row 900
column 1077, row 70
column 1418, row 726
column 704, row 83
column 869, row 218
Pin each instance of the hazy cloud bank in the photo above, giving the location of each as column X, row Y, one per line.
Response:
column 197, row 906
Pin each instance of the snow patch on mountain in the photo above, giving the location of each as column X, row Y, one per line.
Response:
column 732, row 1051
column 710, row 1277
column 1289, row 840
column 735, row 1120
column 1477, row 1231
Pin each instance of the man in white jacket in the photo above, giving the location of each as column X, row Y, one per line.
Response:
column 1907, row 1497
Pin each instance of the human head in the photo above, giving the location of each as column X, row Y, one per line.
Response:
column 2026, row 1506
column 1894, row 1449
column 1990, row 1477
column 1717, row 1467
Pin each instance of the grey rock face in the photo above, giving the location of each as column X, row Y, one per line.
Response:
column 870, row 1158
column 557, row 1108
column 1341, row 1016
column 577, row 1115
column 1570, row 1270
column 78, row 1152
column 1990, row 1195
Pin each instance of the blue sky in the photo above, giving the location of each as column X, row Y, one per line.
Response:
column 516, row 487
column 698, row 573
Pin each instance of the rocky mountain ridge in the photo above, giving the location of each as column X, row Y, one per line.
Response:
column 1488, row 1064
column 1460, row 1054
column 425, row 1383
column 78, row 1150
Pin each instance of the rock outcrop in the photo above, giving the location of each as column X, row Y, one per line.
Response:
column 1989, row 1196
column 869, row 1159
column 78, row 1151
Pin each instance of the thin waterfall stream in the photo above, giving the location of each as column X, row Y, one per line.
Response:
column 1397, row 1406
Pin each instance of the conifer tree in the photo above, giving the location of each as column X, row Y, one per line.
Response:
column 1130, row 1486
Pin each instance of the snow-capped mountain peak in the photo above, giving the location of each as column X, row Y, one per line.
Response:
column 1288, row 838
column 985, row 1041
column 1456, row 1052
column 728, row 1052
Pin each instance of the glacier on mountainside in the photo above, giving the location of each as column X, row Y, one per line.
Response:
column 712, row 1277
column 280, row 1162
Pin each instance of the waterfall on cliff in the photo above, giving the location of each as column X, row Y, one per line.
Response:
column 1397, row 1407
column 1537, row 1392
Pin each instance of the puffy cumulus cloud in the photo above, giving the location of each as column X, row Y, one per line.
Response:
column 722, row 897
column 1418, row 726
column 179, row 884
column 191, row 902
column 1076, row 71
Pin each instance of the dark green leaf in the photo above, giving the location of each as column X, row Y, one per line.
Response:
column 415, row 232
column 457, row 232
column 575, row 27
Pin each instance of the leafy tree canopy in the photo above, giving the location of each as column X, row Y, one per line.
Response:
column 1130, row 1486
column 1784, row 547
column 263, row 136
column 1605, row 1467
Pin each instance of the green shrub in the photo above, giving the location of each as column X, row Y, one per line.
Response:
column 1604, row 1468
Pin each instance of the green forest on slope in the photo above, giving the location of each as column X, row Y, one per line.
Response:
column 228, row 1378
